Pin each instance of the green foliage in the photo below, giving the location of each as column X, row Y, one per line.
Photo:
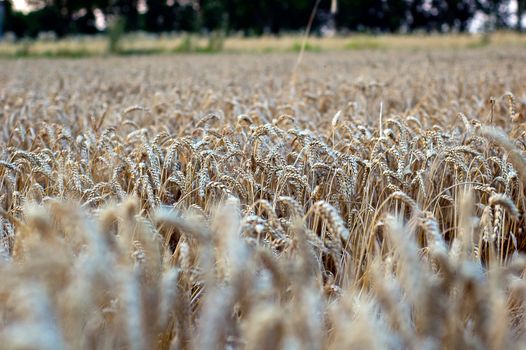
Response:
column 24, row 49
column 187, row 45
column 163, row 16
column 256, row 17
column 296, row 47
column 212, row 14
column 216, row 41
column 115, row 34
column 363, row 43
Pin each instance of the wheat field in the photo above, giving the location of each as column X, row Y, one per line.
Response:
column 364, row 200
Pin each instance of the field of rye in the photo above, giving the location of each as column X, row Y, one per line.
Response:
column 362, row 200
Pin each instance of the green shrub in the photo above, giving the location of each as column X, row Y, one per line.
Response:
column 296, row 47
column 361, row 43
column 216, row 41
column 115, row 34
column 187, row 45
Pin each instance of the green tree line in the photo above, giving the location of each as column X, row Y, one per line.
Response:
column 253, row 17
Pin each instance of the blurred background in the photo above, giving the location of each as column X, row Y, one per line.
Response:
column 190, row 20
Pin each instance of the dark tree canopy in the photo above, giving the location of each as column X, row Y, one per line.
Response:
column 255, row 16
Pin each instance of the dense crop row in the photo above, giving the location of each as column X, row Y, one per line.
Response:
column 373, row 200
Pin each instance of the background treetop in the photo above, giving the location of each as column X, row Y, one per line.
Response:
column 255, row 17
